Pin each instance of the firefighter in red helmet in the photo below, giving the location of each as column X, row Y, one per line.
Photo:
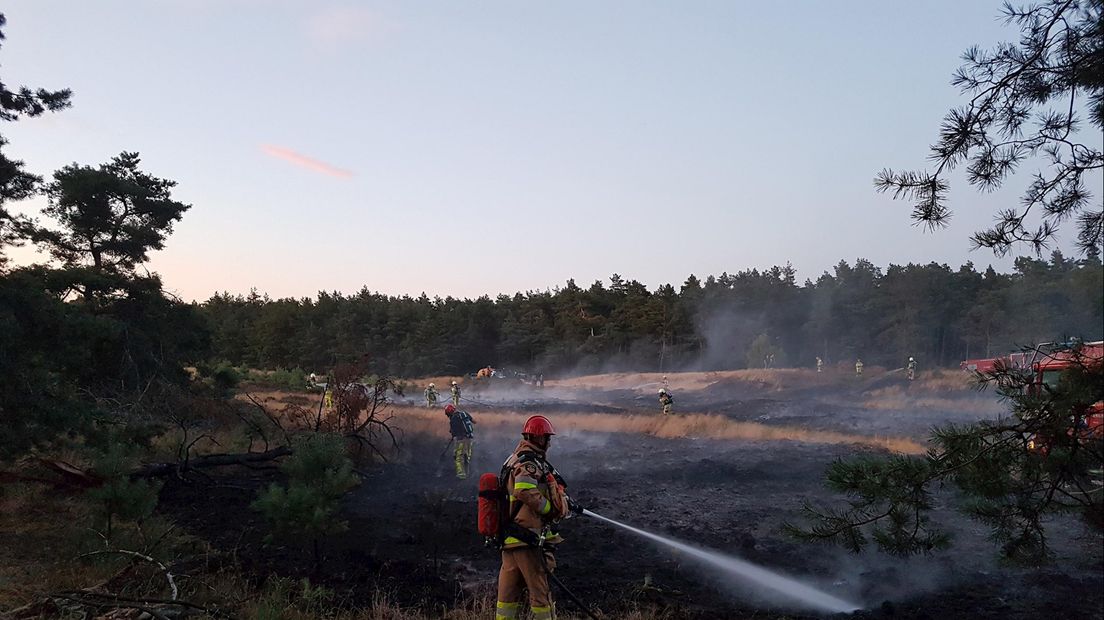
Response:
column 462, row 429
column 537, row 502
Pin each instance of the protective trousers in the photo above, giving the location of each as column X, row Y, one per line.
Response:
column 522, row 568
column 463, row 456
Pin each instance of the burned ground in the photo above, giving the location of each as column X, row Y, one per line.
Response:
column 412, row 523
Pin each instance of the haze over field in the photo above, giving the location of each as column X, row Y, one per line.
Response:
column 462, row 150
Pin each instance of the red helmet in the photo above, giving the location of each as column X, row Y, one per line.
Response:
column 449, row 409
column 538, row 425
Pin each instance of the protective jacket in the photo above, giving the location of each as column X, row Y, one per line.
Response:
column 460, row 425
column 536, row 492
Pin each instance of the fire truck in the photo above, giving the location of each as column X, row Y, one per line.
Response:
column 1045, row 364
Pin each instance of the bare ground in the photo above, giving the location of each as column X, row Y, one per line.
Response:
column 712, row 477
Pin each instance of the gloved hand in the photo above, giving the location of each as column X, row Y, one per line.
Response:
column 573, row 507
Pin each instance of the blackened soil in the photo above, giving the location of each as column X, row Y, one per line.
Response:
column 412, row 533
column 412, row 529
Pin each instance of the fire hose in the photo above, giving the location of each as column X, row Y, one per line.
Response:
column 445, row 451
column 577, row 509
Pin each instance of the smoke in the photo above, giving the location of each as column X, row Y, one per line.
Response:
column 726, row 333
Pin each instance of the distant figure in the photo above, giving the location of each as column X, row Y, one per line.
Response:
column 327, row 398
column 431, row 396
column 770, row 360
column 455, row 389
column 461, row 427
column 666, row 401
column 665, row 384
column 820, row 364
column 312, row 380
column 858, row 367
column 912, row 369
column 540, row 379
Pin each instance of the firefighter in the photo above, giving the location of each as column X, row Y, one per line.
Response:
column 327, row 398
column 666, row 401
column 912, row 368
column 431, row 396
column 537, row 502
column 665, row 383
column 461, row 427
column 820, row 364
column 455, row 390
column 858, row 367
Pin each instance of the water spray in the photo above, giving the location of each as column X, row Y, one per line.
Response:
column 785, row 586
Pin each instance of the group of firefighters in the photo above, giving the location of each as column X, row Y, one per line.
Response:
column 910, row 368
column 536, row 501
column 431, row 395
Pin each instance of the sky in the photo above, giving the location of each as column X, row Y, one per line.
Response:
column 469, row 148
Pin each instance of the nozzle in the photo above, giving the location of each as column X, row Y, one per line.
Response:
column 574, row 507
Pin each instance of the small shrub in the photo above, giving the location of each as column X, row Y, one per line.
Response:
column 120, row 497
column 319, row 475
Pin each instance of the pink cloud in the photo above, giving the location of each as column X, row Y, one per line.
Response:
column 303, row 161
column 340, row 25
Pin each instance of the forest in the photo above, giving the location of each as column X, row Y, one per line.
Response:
column 932, row 312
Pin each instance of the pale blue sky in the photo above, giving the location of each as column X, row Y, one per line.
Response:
column 488, row 147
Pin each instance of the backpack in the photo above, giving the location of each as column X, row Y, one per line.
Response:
column 468, row 422
column 496, row 518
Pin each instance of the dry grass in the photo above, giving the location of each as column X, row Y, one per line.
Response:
column 290, row 600
column 38, row 538
column 419, row 420
column 43, row 531
column 440, row 382
column 431, row 422
column 897, row 398
column 776, row 379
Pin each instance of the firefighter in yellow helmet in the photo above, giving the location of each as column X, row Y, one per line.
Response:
column 858, row 367
column 537, row 502
column 455, row 390
column 431, row 396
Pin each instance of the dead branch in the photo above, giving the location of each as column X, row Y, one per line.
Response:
column 271, row 418
column 141, row 556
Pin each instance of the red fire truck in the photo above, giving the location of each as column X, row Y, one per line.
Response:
column 1045, row 363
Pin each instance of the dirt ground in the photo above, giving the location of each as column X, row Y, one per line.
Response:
column 743, row 453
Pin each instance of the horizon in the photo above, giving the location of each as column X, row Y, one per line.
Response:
column 605, row 282
column 479, row 151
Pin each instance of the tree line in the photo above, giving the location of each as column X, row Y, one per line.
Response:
column 932, row 312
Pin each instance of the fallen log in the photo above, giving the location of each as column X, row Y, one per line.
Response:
column 154, row 470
